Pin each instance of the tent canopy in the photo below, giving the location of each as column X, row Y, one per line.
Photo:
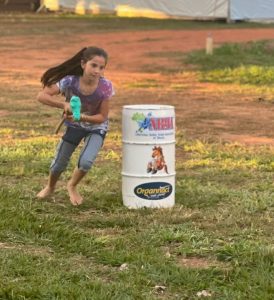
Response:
column 193, row 9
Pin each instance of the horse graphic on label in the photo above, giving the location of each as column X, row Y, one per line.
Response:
column 158, row 161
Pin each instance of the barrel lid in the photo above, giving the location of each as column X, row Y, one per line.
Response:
column 148, row 107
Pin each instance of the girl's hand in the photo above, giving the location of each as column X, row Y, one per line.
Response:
column 67, row 109
column 69, row 117
column 67, row 112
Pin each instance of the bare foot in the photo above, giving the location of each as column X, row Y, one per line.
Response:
column 74, row 196
column 45, row 192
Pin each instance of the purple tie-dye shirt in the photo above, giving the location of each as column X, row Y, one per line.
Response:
column 90, row 104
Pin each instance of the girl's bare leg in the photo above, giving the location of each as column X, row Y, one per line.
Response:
column 75, row 197
column 50, row 187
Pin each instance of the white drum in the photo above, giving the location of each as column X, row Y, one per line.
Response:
column 148, row 173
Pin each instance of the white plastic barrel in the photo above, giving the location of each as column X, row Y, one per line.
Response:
column 148, row 166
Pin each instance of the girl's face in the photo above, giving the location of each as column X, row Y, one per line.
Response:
column 94, row 68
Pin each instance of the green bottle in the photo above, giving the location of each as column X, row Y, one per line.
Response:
column 75, row 105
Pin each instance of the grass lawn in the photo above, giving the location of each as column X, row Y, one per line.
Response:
column 217, row 241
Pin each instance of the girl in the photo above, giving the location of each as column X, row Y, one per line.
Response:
column 82, row 76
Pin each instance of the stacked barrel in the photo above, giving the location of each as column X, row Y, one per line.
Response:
column 148, row 165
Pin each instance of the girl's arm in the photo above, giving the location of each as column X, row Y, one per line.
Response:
column 46, row 96
column 99, row 118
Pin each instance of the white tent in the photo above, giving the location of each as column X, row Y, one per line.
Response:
column 251, row 9
column 193, row 9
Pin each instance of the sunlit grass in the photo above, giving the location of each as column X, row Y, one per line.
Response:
column 223, row 217
column 248, row 66
column 149, row 83
column 252, row 75
column 228, row 156
column 232, row 55
column 248, row 63
column 224, row 225
column 218, row 237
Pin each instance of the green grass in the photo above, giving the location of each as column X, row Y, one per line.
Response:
column 218, row 237
column 149, row 83
column 252, row 75
column 249, row 63
column 51, row 250
column 234, row 55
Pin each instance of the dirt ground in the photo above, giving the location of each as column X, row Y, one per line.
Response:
column 203, row 110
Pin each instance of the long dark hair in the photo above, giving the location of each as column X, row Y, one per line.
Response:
column 72, row 66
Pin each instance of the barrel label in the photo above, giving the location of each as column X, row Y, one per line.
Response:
column 153, row 190
column 156, row 127
column 157, row 162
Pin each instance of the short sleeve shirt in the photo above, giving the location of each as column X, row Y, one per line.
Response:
column 90, row 104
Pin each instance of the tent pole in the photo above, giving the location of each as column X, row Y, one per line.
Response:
column 228, row 19
column 41, row 7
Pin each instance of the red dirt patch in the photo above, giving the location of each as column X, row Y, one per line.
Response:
column 198, row 263
column 203, row 110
